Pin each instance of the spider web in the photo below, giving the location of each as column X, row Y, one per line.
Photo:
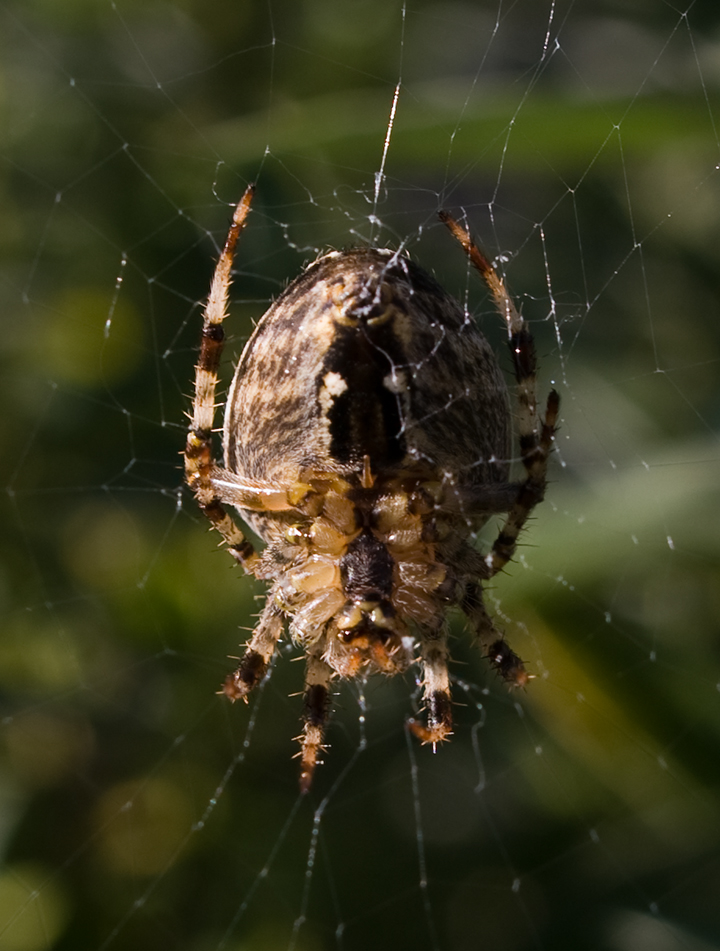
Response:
column 141, row 810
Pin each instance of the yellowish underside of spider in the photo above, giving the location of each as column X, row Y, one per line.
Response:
column 312, row 592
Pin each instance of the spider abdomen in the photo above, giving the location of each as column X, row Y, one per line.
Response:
column 365, row 356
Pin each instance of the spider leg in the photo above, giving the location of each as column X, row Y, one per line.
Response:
column 485, row 499
column 199, row 463
column 434, row 656
column 536, row 439
column 316, row 710
column 256, row 495
column 535, row 453
column 505, row 661
column 258, row 654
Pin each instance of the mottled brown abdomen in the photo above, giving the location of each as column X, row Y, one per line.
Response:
column 364, row 355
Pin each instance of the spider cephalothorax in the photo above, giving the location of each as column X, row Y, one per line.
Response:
column 367, row 440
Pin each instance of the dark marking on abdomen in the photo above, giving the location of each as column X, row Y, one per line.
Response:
column 366, row 419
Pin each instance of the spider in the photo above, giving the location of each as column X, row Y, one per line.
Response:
column 366, row 441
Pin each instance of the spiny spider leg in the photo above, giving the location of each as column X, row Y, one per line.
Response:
column 434, row 656
column 495, row 647
column 258, row 654
column 532, row 490
column 535, row 447
column 199, row 462
column 316, row 710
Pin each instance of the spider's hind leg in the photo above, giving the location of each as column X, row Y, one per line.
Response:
column 434, row 656
column 316, row 710
column 258, row 654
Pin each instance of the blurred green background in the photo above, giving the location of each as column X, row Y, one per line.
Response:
column 141, row 811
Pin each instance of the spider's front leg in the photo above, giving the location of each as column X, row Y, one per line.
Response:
column 536, row 437
column 536, row 448
column 199, row 462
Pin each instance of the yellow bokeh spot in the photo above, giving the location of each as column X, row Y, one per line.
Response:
column 33, row 909
column 90, row 339
column 43, row 749
column 141, row 826
column 103, row 546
